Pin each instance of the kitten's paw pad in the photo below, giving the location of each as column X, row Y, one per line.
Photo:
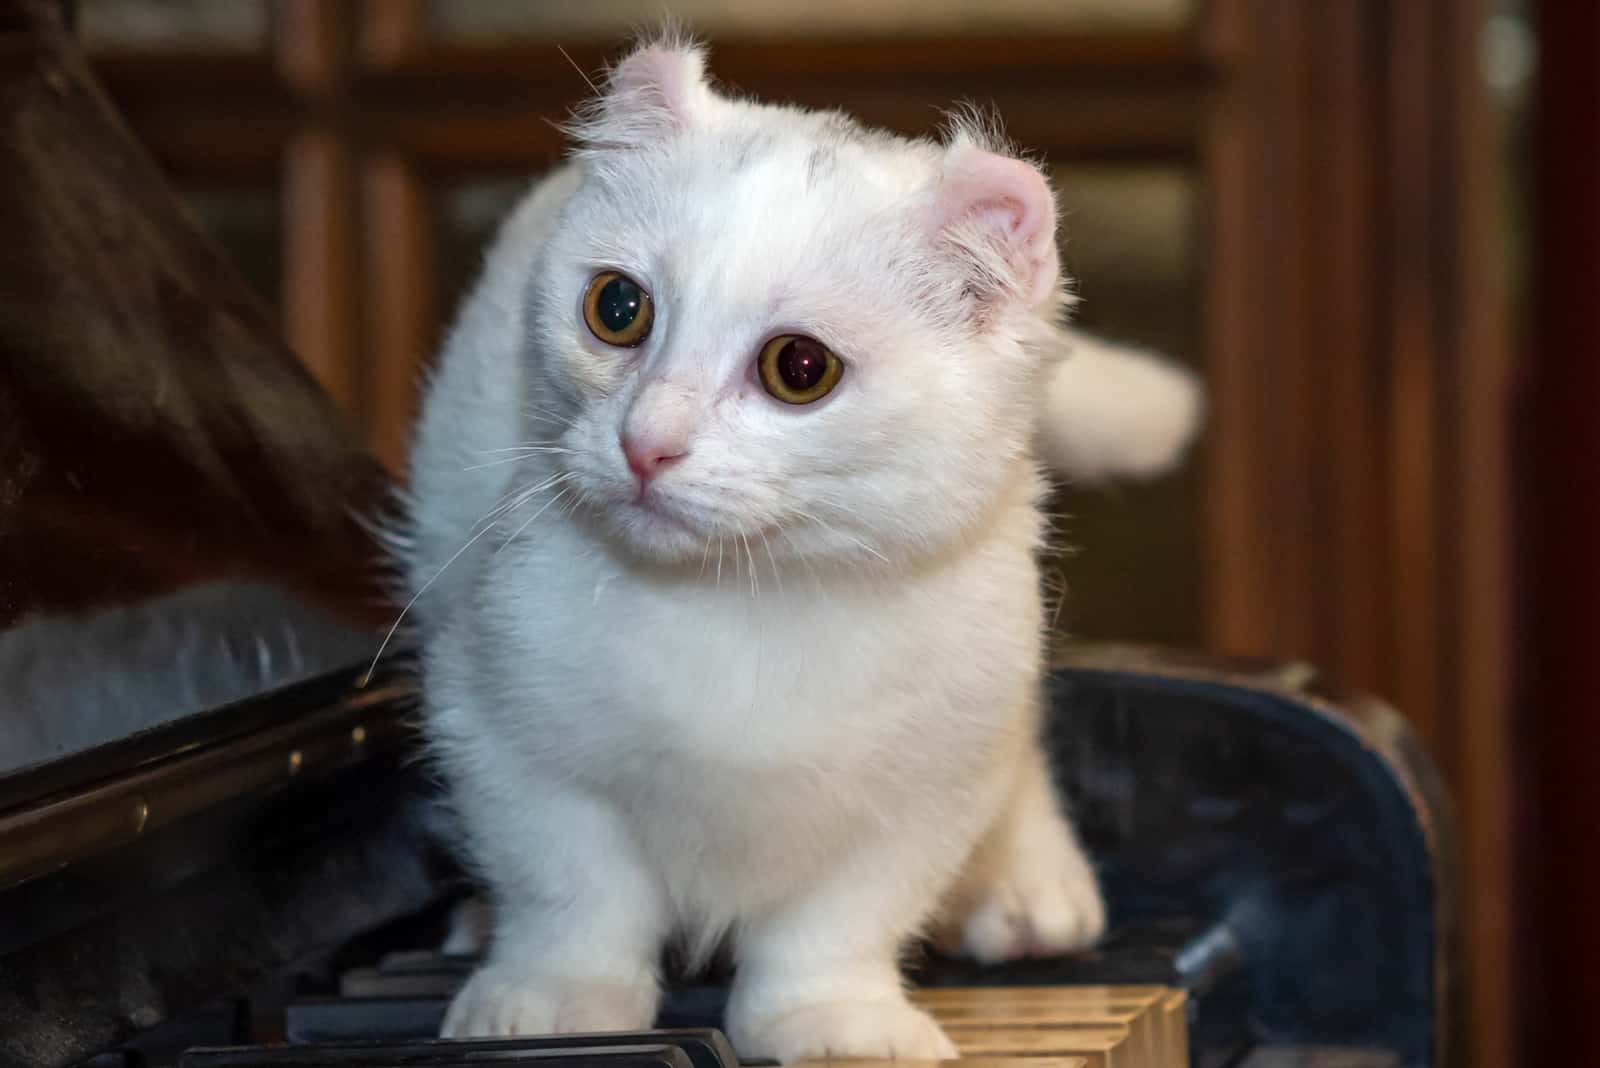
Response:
column 1036, row 913
column 847, row 1031
column 496, row 1002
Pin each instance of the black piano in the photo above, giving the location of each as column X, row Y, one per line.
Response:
column 215, row 846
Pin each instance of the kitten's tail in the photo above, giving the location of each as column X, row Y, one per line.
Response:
column 1117, row 412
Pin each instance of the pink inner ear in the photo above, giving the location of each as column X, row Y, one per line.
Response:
column 1012, row 200
column 664, row 76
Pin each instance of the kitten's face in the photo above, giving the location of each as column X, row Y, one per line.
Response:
column 760, row 314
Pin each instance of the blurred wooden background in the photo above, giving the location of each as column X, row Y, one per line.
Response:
column 1315, row 202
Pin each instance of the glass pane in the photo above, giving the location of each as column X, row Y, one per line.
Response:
column 248, row 223
column 1134, row 570
column 166, row 23
column 495, row 18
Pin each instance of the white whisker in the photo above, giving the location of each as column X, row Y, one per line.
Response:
column 774, row 561
column 542, row 510
column 843, row 534
column 367, row 677
column 531, row 454
column 755, row 587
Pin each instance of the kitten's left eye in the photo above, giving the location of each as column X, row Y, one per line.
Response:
column 617, row 309
column 797, row 369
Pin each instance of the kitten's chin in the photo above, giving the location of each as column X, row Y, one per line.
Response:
column 654, row 534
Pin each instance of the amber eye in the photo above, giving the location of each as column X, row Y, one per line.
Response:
column 798, row 370
column 617, row 310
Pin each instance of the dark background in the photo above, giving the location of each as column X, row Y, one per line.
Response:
column 1373, row 227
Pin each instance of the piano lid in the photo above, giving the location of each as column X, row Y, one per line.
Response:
column 181, row 508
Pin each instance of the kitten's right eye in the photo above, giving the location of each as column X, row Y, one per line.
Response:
column 617, row 309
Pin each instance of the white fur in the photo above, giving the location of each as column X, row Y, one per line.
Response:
column 1112, row 411
column 794, row 696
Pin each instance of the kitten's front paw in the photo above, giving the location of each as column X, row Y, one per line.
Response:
column 846, row 1031
column 1037, row 909
column 497, row 1001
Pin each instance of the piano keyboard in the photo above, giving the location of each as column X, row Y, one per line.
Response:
column 1055, row 1027
column 992, row 1027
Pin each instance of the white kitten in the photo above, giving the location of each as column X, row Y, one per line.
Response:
column 724, row 525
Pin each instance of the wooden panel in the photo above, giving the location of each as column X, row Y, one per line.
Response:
column 402, row 301
column 1558, row 578
column 1348, row 361
column 478, row 19
column 1260, row 588
column 1130, row 96
column 1412, row 218
column 1479, row 664
column 1356, row 347
column 322, row 240
column 321, row 295
column 391, row 32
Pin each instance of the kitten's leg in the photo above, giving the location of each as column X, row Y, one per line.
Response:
column 578, row 920
column 819, row 977
column 471, row 924
column 1028, row 890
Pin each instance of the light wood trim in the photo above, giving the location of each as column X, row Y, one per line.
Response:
column 1481, row 710
column 1348, row 360
column 391, row 32
column 321, row 254
column 402, row 291
column 320, row 260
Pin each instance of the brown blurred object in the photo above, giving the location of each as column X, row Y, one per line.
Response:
column 155, row 434
column 1558, row 553
column 1343, row 288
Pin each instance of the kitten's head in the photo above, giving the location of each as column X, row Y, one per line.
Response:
column 777, row 328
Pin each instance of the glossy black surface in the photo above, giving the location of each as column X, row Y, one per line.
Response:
column 1283, row 858
column 701, row 1049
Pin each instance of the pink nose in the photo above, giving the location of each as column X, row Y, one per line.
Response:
column 647, row 458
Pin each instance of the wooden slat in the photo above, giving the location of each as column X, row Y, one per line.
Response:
column 1131, row 96
column 1104, row 1047
column 1416, row 552
column 1347, row 362
column 1557, row 503
column 1246, row 590
column 321, row 257
column 1481, row 704
column 402, row 293
column 1175, row 1021
column 1008, row 996
column 1046, row 1020
column 321, row 294
column 964, row 1062
column 1131, row 58
column 392, row 32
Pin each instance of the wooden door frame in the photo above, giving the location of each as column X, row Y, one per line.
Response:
column 1358, row 339
column 1557, row 571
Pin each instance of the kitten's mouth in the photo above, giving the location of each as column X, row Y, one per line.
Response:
column 651, row 506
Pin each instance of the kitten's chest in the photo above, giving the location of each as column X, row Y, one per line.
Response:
column 756, row 674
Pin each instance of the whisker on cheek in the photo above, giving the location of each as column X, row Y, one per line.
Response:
column 527, row 454
column 776, row 577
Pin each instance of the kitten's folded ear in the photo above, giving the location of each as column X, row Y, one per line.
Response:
column 998, row 216
column 656, row 91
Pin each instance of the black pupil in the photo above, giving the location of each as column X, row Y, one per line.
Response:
column 802, row 363
column 618, row 304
